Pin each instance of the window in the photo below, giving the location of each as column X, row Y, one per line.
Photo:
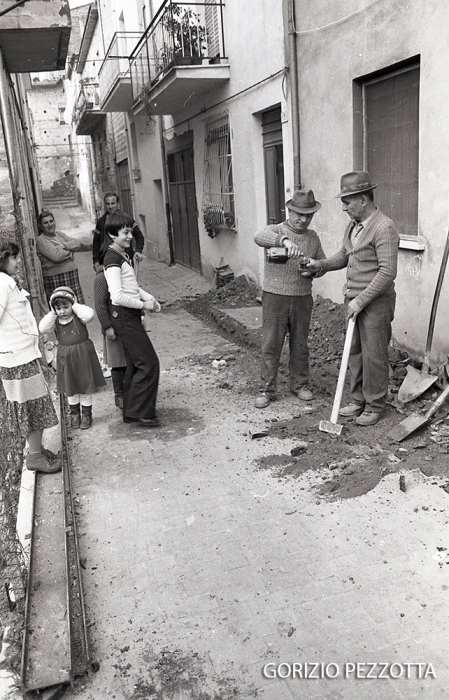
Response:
column 218, row 190
column 390, row 143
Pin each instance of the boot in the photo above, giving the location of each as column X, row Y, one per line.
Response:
column 86, row 417
column 75, row 417
column 118, row 377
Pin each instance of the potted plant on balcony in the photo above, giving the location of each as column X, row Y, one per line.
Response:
column 187, row 37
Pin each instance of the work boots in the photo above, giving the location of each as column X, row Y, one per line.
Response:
column 86, row 417
column 75, row 417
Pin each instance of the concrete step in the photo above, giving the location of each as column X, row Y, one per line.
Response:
column 60, row 202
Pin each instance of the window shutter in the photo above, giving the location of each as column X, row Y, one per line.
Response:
column 212, row 29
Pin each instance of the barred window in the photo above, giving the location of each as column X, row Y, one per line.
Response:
column 218, row 191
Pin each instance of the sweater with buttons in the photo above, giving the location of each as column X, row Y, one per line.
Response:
column 371, row 259
column 285, row 278
column 19, row 336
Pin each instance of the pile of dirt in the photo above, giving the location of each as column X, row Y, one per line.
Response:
column 240, row 292
column 326, row 337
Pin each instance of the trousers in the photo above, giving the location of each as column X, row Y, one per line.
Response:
column 141, row 380
column 368, row 359
column 282, row 314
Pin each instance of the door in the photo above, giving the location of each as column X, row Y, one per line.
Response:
column 181, row 180
column 124, row 187
column 274, row 165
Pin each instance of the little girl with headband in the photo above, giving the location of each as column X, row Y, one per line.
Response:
column 78, row 370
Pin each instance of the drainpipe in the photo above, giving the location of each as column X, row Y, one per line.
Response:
column 13, row 153
column 292, row 65
column 171, row 244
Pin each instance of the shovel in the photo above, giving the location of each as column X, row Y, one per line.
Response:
column 416, row 382
column 331, row 426
column 415, row 421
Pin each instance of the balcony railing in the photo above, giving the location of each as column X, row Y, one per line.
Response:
column 87, row 112
column 180, row 34
column 114, row 75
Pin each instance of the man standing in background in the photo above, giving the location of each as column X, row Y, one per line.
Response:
column 111, row 201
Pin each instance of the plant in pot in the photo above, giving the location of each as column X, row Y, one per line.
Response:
column 187, row 36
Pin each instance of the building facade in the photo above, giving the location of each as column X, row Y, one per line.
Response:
column 213, row 120
column 198, row 124
column 370, row 78
column 51, row 134
column 27, row 43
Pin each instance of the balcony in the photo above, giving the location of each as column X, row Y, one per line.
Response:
column 114, row 76
column 180, row 57
column 88, row 116
column 35, row 36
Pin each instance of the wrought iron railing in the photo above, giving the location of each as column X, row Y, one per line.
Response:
column 116, row 62
column 88, row 98
column 181, row 33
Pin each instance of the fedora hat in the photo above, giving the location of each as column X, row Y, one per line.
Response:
column 303, row 202
column 355, row 183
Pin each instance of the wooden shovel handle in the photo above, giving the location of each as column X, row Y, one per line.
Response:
column 343, row 368
column 438, row 403
column 433, row 313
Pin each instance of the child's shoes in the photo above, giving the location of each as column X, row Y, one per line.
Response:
column 75, row 416
column 86, row 417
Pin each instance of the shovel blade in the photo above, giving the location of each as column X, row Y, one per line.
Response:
column 414, row 384
column 328, row 427
column 407, row 427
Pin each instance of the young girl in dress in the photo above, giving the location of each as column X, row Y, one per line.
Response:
column 78, row 370
column 28, row 405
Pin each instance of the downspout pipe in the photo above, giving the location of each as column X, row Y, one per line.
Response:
column 171, row 244
column 292, row 64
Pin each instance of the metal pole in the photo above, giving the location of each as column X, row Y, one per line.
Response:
column 13, row 7
column 293, row 74
column 165, row 190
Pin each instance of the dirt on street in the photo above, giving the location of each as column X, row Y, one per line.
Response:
column 231, row 537
column 367, row 447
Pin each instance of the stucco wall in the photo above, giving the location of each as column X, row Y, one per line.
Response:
column 149, row 206
column 51, row 137
column 255, row 51
column 336, row 44
column 7, row 219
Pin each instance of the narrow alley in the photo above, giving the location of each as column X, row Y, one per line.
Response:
column 208, row 577
column 273, row 163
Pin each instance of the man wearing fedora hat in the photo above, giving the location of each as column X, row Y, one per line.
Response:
column 287, row 296
column 370, row 254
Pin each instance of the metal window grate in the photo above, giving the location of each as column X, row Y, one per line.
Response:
column 218, row 190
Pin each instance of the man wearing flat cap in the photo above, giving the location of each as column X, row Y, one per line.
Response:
column 287, row 296
column 370, row 254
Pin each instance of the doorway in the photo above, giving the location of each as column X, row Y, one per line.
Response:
column 124, row 187
column 274, row 165
column 181, row 182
